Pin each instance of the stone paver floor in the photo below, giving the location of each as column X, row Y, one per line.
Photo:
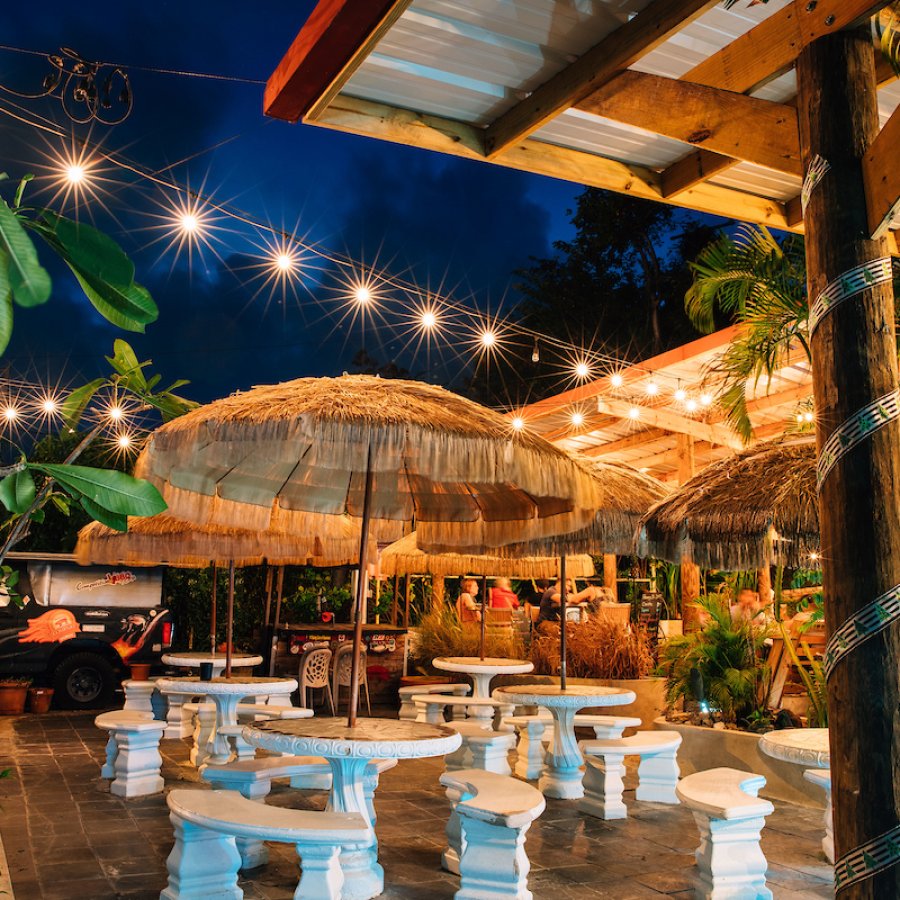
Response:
column 67, row 838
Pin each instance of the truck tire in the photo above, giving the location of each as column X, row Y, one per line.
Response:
column 84, row 681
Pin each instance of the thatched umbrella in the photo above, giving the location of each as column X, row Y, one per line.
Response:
column 744, row 512
column 384, row 451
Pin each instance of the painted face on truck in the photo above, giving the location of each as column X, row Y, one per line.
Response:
column 53, row 626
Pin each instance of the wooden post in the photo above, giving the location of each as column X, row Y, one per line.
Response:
column 764, row 585
column 407, row 592
column 437, row 590
column 269, row 573
column 484, row 609
column 610, row 572
column 690, row 573
column 279, row 592
column 229, row 625
column 854, row 362
column 562, row 621
column 213, row 604
column 395, row 605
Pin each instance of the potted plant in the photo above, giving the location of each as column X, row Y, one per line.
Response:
column 13, row 694
column 39, row 699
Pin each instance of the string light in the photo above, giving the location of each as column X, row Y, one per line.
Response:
column 691, row 405
column 536, row 352
column 428, row 319
column 115, row 413
column 706, row 399
column 582, row 370
column 634, row 413
column 652, row 388
column 577, row 419
column 362, row 295
column 11, row 413
column 488, row 339
column 814, row 556
column 518, row 423
column 124, row 441
column 681, row 395
column 616, row 380
column 808, row 417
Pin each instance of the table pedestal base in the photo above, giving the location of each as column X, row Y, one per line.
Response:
column 562, row 775
column 220, row 751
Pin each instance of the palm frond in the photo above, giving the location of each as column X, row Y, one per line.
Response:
column 887, row 32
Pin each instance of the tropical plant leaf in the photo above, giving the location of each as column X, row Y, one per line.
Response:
column 127, row 306
column 87, row 249
column 113, row 520
column 20, row 190
column 125, row 362
column 29, row 280
column 17, row 491
column 6, row 303
column 113, row 490
column 61, row 503
column 887, row 30
column 74, row 405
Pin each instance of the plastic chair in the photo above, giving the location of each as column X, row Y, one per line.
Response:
column 343, row 663
column 314, row 671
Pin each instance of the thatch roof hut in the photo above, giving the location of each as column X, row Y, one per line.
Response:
column 744, row 512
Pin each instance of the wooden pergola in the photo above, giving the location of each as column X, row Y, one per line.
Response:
column 726, row 111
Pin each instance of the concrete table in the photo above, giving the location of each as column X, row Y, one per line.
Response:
column 807, row 747
column 482, row 671
column 193, row 660
column 225, row 693
column 348, row 751
column 562, row 773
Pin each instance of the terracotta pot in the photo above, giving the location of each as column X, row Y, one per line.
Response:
column 140, row 671
column 12, row 699
column 39, row 699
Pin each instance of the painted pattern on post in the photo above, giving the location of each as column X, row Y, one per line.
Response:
column 848, row 285
column 816, row 171
column 869, row 859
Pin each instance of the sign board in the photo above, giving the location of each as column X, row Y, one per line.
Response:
column 67, row 584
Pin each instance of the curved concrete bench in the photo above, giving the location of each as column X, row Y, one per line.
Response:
column 407, row 692
column 822, row 778
column 489, row 815
column 132, row 752
column 605, row 768
column 253, row 779
column 481, row 748
column 205, row 861
column 430, row 708
column 254, row 712
column 730, row 817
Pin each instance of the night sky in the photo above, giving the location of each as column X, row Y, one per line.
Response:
column 433, row 219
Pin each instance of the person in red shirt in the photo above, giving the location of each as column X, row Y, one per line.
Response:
column 503, row 596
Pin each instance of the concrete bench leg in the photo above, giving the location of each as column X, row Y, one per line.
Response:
column 408, row 710
column 253, row 853
column 452, row 852
column 493, row 862
column 202, row 865
column 312, row 782
column 137, row 764
column 178, row 722
column 112, row 750
column 203, row 729
column 139, row 695
column 822, row 778
column 461, row 758
column 530, row 750
column 322, row 877
column 730, row 862
column 603, row 786
column 657, row 777
column 493, row 756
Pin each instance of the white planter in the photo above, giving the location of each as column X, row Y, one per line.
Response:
column 708, row 748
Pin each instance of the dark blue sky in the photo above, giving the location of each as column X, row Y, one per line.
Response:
column 469, row 225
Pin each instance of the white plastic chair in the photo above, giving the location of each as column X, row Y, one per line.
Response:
column 314, row 674
column 343, row 663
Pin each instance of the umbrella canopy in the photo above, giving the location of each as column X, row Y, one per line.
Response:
column 267, row 457
column 405, row 557
column 623, row 496
column 743, row 512
column 166, row 540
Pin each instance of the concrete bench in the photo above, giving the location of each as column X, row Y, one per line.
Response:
column 407, row 692
column 822, row 778
column 430, row 708
column 253, row 779
column 132, row 752
column 605, row 768
column 730, row 817
column 205, row 861
column 481, row 748
column 255, row 712
column 489, row 815
column 142, row 696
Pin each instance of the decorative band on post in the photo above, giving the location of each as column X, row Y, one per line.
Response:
column 869, row 859
column 815, row 172
column 847, row 285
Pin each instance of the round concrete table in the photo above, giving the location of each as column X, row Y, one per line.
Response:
column 225, row 693
column 807, row 747
column 193, row 660
column 348, row 751
column 562, row 773
column 481, row 671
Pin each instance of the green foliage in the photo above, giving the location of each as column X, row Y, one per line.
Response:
column 723, row 657
column 316, row 589
column 813, row 677
column 668, row 583
column 887, row 30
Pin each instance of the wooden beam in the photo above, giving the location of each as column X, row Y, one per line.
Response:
column 653, row 25
column 693, row 169
column 745, row 128
column 669, row 421
column 331, row 45
column 638, row 439
column 882, row 176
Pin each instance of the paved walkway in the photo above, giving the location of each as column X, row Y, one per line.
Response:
column 66, row 838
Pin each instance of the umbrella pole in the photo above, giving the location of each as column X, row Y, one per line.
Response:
column 269, row 574
column 273, row 645
column 213, row 603
column 229, row 632
column 361, row 584
column 484, row 606
column 562, row 622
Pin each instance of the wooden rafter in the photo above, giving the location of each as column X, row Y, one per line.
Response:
column 882, row 176
column 744, row 128
column 653, row 25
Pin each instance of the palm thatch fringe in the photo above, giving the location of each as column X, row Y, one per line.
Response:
column 405, row 557
column 302, row 446
column 750, row 510
column 166, row 540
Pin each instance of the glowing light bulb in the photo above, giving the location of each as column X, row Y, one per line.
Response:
column 189, row 223
column 681, row 395
column 284, row 262
column 706, row 399
column 536, row 352
column 582, row 370
column 814, row 556
column 652, row 388
column 518, row 423
column 634, row 413
column 10, row 413
column 807, row 417
column 428, row 319
column 362, row 295
column 488, row 338
column 691, row 405
column 616, row 380
column 799, row 418
column 577, row 419
column 75, row 173
column 49, row 406
column 116, row 413
column 124, row 441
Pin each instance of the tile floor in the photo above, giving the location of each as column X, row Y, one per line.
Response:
column 66, row 838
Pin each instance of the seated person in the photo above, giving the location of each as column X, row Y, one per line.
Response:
column 503, row 596
column 747, row 607
column 551, row 601
column 466, row 607
column 601, row 595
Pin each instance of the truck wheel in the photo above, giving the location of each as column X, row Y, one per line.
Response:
column 84, row 681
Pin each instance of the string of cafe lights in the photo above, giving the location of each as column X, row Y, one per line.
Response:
column 190, row 222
